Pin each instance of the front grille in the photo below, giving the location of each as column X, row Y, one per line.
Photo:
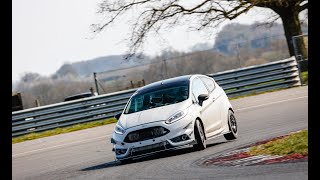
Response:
column 145, row 134
column 150, row 148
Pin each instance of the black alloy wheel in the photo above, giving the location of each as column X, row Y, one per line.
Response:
column 233, row 127
column 200, row 136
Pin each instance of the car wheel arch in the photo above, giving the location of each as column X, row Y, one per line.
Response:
column 231, row 135
column 227, row 119
column 205, row 134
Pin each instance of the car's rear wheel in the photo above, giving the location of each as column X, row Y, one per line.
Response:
column 199, row 135
column 233, row 127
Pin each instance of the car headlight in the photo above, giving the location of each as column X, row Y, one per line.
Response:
column 119, row 130
column 176, row 116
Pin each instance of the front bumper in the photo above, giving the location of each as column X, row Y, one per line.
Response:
column 181, row 133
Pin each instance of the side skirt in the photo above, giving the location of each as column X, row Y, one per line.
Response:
column 218, row 135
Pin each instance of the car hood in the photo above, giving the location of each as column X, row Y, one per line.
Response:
column 151, row 115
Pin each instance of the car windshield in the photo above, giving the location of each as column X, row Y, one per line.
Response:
column 157, row 98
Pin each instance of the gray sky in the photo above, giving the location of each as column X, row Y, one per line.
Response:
column 48, row 33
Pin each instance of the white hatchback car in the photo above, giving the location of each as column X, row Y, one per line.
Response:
column 185, row 110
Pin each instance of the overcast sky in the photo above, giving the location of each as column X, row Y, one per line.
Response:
column 48, row 33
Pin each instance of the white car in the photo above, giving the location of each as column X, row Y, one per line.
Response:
column 185, row 110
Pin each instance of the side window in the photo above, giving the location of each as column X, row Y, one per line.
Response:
column 209, row 82
column 198, row 88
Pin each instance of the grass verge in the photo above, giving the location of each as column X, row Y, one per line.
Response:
column 296, row 143
column 56, row 131
column 304, row 76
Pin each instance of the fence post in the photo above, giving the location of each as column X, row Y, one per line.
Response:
column 298, row 60
column 299, row 70
column 37, row 103
column 96, row 82
column 238, row 55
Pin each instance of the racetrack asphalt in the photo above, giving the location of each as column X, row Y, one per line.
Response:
column 87, row 154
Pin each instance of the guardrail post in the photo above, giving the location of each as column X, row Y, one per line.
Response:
column 299, row 69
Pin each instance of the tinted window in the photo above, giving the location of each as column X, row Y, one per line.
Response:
column 198, row 88
column 161, row 97
column 209, row 82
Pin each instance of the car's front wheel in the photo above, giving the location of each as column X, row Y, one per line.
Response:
column 199, row 135
column 233, row 127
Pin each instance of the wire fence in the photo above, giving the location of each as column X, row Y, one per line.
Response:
column 300, row 44
column 225, row 56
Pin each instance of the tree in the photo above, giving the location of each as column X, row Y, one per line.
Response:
column 30, row 76
column 66, row 70
column 152, row 16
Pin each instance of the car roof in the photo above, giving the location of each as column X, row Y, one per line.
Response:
column 180, row 80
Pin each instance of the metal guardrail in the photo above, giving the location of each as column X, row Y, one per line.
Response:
column 274, row 75
column 254, row 79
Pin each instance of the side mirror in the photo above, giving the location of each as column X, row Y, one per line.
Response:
column 117, row 116
column 202, row 97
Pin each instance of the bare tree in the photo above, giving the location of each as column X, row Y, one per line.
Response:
column 30, row 76
column 66, row 70
column 153, row 16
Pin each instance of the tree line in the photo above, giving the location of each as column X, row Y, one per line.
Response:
column 235, row 46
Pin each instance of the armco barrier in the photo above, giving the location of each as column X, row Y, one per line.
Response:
column 274, row 75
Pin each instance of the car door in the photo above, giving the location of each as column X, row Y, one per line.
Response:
column 198, row 88
column 215, row 106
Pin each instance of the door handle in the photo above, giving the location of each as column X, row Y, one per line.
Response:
column 215, row 98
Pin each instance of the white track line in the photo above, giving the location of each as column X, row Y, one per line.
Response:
column 251, row 107
column 75, row 142
column 269, row 157
column 52, row 147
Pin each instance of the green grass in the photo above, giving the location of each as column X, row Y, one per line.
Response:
column 304, row 76
column 296, row 143
column 56, row 131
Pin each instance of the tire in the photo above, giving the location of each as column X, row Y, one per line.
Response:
column 233, row 127
column 200, row 137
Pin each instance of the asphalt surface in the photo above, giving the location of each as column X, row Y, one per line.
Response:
column 87, row 154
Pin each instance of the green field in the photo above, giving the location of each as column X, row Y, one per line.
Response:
column 304, row 77
column 296, row 143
